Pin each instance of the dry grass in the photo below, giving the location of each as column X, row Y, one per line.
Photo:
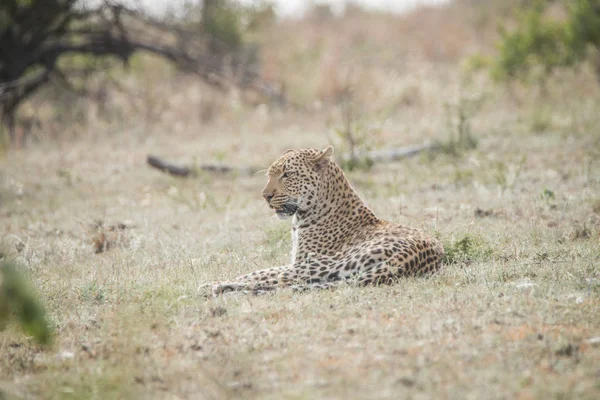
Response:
column 514, row 316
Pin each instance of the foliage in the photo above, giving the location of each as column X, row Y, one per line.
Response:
column 18, row 300
column 543, row 43
column 228, row 26
column 227, row 21
column 547, row 195
column 222, row 20
column 466, row 249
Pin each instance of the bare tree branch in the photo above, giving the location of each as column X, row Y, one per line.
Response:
column 40, row 32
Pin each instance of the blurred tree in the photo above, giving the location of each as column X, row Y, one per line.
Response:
column 36, row 36
column 221, row 22
column 546, row 43
column 19, row 301
column 228, row 25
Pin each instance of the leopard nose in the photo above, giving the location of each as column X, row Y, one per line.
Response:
column 268, row 197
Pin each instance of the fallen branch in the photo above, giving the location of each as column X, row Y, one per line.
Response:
column 185, row 171
column 390, row 155
column 377, row 156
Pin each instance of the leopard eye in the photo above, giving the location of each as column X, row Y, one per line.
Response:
column 287, row 174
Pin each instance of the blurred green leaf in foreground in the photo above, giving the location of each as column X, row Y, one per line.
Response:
column 19, row 301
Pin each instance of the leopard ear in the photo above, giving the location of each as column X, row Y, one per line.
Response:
column 287, row 151
column 321, row 159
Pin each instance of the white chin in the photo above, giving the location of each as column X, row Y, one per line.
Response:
column 283, row 216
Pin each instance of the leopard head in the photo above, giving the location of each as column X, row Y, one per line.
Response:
column 293, row 180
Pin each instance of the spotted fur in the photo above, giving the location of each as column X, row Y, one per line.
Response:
column 335, row 236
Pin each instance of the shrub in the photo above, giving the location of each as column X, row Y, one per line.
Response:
column 544, row 43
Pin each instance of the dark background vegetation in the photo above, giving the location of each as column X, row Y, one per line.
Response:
column 72, row 48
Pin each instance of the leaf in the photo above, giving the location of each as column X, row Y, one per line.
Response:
column 18, row 300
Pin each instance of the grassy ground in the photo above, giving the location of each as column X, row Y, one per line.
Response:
column 514, row 314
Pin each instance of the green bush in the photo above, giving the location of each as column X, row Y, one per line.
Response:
column 543, row 43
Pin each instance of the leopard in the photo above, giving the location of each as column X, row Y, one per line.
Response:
column 336, row 238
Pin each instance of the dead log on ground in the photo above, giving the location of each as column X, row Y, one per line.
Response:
column 376, row 156
column 185, row 171
column 393, row 154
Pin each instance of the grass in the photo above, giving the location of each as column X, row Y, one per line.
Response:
column 513, row 313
